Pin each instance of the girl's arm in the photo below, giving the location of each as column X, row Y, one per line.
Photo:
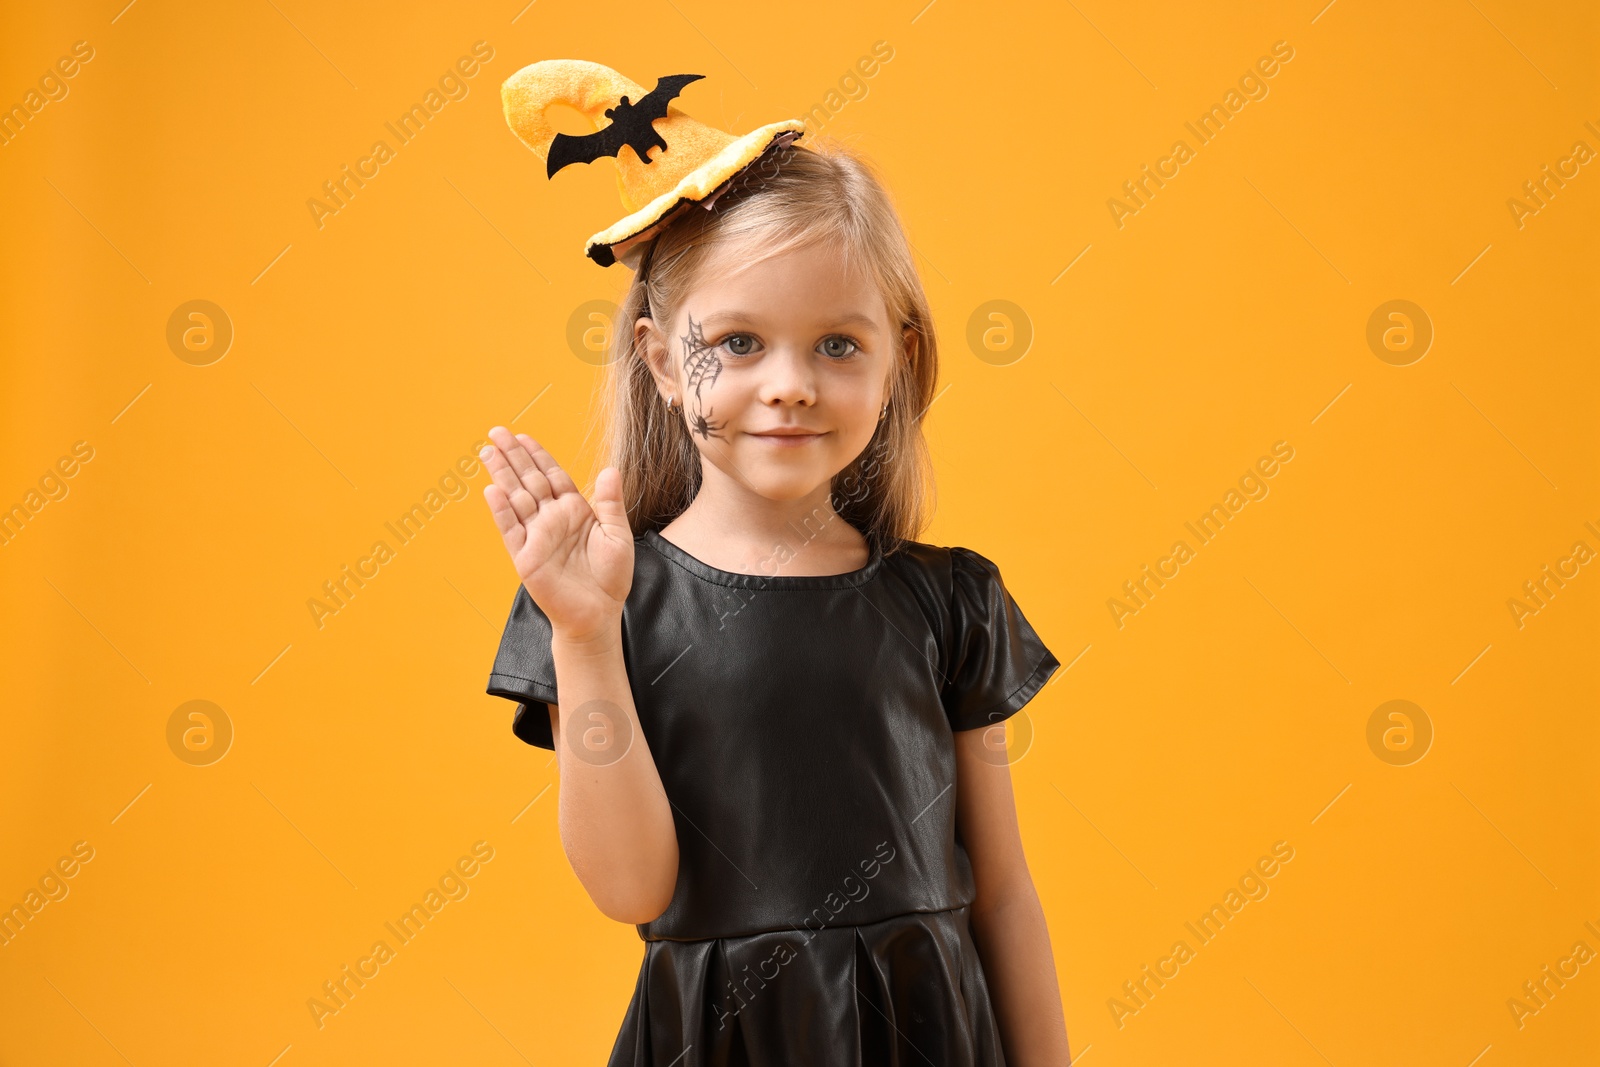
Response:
column 1007, row 921
column 616, row 825
column 576, row 561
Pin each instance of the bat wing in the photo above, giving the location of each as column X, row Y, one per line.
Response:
column 566, row 149
column 653, row 105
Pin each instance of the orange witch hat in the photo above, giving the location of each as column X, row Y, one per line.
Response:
column 665, row 160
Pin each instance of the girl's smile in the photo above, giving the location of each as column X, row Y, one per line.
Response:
column 787, row 438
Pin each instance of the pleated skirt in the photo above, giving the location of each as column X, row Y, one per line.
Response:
column 907, row 990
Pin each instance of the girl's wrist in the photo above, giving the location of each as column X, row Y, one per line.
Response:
column 588, row 643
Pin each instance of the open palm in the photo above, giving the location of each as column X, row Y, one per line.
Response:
column 575, row 559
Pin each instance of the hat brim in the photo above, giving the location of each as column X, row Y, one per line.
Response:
column 624, row 241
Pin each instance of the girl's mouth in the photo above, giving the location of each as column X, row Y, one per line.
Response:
column 788, row 438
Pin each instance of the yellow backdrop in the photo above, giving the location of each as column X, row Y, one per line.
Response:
column 1268, row 380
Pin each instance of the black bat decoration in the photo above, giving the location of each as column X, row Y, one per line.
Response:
column 632, row 124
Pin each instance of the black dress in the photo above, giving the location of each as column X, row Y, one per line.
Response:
column 802, row 727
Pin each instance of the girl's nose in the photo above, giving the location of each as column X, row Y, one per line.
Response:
column 788, row 377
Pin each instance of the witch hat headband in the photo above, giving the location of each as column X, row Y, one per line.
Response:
column 666, row 161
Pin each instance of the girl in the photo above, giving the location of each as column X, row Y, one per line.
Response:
column 779, row 715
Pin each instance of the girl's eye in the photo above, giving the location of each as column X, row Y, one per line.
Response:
column 839, row 347
column 741, row 344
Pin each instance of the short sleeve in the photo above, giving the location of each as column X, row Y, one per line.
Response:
column 525, row 672
column 997, row 662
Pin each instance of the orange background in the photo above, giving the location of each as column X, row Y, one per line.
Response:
column 1229, row 313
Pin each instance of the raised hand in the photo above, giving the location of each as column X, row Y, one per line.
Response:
column 575, row 560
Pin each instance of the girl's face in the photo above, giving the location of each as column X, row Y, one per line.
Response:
column 780, row 369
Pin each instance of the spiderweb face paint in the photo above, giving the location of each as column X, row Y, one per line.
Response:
column 701, row 365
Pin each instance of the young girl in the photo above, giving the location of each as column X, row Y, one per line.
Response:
column 779, row 715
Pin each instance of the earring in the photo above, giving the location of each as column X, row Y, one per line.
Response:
column 884, row 413
column 672, row 403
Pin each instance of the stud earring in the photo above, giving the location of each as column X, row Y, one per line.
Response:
column 672, row 403
column 884, row 413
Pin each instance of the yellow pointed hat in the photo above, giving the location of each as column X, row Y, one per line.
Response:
column 665, row 160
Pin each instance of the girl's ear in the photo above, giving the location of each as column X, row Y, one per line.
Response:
column 652, row 345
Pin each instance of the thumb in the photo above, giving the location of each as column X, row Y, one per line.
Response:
column 607, row 503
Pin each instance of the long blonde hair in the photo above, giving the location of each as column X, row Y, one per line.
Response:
column 793, row 196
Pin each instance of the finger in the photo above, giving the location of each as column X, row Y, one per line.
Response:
column 560, row 481
column 527, row 471
column 608, row 507
column 511, row 529
column 523, row 503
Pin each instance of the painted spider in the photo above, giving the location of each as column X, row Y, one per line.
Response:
column 703, row 426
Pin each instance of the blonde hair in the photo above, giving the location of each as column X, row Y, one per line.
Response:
column 792, row 197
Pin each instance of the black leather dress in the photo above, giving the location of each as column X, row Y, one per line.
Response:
column 802, row 727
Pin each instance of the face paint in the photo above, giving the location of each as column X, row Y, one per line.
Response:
column 701, row 366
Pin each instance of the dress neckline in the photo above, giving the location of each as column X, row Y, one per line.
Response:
column 703, row 570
